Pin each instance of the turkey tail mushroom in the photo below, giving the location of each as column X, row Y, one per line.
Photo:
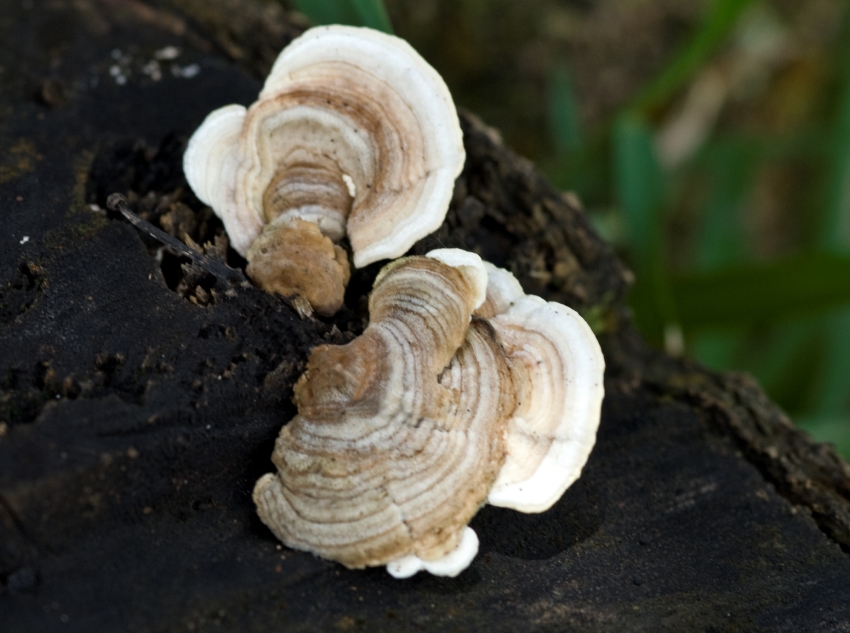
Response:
column 353, row 132
column 462, row 390
column 399, row 434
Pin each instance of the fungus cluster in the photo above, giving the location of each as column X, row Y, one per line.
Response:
column 353, row 135
column 462, row 390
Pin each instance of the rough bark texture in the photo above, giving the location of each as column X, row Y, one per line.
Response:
column 140, row 397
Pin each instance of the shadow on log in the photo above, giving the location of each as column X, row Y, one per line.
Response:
column 140, row 396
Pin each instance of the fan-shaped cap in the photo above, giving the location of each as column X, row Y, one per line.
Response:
column 558, row 369
column 210, row 164
column 399, row 434
column 353, row 130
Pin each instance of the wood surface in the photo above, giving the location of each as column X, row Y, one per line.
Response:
column 140, row 397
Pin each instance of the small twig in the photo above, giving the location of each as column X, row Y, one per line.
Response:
column 219, row 270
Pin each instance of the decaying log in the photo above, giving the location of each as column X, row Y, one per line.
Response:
column 140, row 395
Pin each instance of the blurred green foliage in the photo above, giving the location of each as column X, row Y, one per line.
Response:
column 714, row 30
column 709, row 290
column 785, row 320
column 371, row 13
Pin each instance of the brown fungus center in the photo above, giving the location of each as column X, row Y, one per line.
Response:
column 294, row 258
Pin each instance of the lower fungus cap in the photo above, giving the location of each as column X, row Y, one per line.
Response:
column 400, row 433
column 403, row 433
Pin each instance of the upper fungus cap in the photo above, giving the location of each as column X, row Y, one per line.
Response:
column 558, row 370
column 352, row 130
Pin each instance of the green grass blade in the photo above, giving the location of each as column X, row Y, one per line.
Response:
column 835, row 233
column 832, row 399
column 765, row 293
column 721, row 240
column 833, row 396
column 373, row 13
column 713, row 31
column 640, row 191
column 639, row 181
column 564, row 116
column 321, row 12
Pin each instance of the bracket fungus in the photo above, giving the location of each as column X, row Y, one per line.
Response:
column 557, row 367
column 398, row 436
column 353, row 134
column 406, row 431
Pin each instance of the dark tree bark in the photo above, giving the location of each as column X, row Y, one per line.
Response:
column 140, row 396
